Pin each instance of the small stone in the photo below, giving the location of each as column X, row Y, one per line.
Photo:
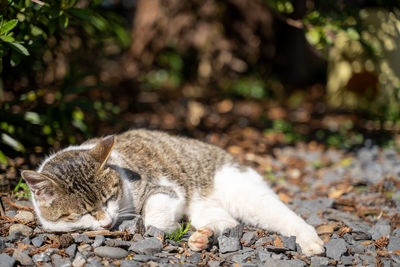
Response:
column 25, row 216
column 289, row 242
column 94, row 262
column 79, row 260
column 26, row 240
column 38, row 241
column 118, row 243
column 394, row 243
column 22, row 257
column 228, row 244
column 357, row 248
column 347, row 260
column 2, row 243
column 133, row 226
column 59, row 261
column 335, row 248
column 82, row 238
column 111, row 252
column 194, row 257
column 147, row 246
column 25, row 230
column 319, row 261
column 145, row 258
column 11, row 213
column 314, row 220
column 154, row 232
column 214, row 263
column 84, row 248
column 66, row 240
column 42, row 257
column 396, row 232
column 71, row 250
column 235, row 232
column 6, row 261
column 277, row 249
column 243, row 257
column 359, row 230
column 129, row 263
column 263, row 255
column 98, row 241
column 249, row 238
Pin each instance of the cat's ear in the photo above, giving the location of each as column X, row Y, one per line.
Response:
column 40, row 184
column 102, row 150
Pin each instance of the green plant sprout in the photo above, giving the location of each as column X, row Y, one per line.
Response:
column 22, row 189
column 178, row 233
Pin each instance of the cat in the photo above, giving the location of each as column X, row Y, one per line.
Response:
column 164, row 178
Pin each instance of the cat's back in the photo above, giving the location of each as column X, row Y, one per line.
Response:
column 186, row 161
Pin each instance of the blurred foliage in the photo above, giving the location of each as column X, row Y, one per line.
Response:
column 48, row 70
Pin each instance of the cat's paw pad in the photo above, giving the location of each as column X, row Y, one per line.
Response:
column 199, row 240
column 310, row 242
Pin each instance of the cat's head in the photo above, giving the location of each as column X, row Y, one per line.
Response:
column 74, row 189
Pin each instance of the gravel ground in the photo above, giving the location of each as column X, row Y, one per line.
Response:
column 352, row 199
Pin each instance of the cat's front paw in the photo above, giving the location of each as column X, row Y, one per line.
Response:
column 199, row 240
column 310, row 242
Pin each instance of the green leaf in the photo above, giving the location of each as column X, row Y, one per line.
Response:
column 7, row 38
column 8, row 26
column 20, row 48
column 3, row 158
column 16, row 145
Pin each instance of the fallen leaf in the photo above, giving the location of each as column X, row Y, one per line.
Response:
column 284, row 198
column 278, row 242
column 336, row 193
column 327, row 228
column 366, row 243
column 382, row 242
column 397, row 252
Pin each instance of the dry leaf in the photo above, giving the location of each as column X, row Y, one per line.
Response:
column 278, row 242
column 344, row 230
column 336, row 193
column 366, row 243
column 397, row 252
column 382, row 242
column 327, row 228
column 284, row 198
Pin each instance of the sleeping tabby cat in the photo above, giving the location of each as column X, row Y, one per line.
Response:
column 103, row 181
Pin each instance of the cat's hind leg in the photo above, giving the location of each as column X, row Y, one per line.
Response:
column 245, row 195
column 209, row 218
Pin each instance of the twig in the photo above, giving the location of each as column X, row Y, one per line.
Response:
column 2, row 213
column 18, row 207
column 101, row 232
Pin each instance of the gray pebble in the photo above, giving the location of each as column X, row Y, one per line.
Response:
column 347, row 260
column 71, row 250
column 214, row 263
column 98, row 241
column 235, row 232
column 133, row 226
column 22, row 257
column 289, row 242
column 11, row 213
column 319, row 261
column 228, row 244
column 243, row 257
column 130, row 263
column 43, row 257
column 284, row 263
column 357, row 248
column 79, row 260
column 94, row 262
column 18, row 227
column 249, row 238
column 6, row 261
column 194, row 257
column 25, row 216
column 111, row 252
column 2, row 243
column 277, row 249
column 84, row 248
column 59, row 261
column 359, row 230
column 154, row 232
column 38, row 241
column 118, row 243
column 396, row 232
column 147, row 246
column 394, row 243
column 145, row 258
column 314, row 220
column 82, row 238
column 335, row 248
